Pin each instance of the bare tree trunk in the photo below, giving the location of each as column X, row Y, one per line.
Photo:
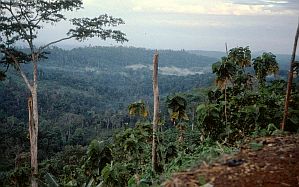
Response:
column 32, row 135
column 34, row 130
column 156, row 112
column 290, row 80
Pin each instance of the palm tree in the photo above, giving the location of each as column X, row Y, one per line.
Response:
column 138, row 109
column 177, row 109
column 241, row 56
column 265, row 65
column 224, row 69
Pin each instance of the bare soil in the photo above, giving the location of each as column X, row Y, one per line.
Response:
column 265, row 161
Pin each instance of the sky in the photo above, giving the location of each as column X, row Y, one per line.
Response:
column 264, row 25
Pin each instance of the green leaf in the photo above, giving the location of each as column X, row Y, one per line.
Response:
column 50, row 180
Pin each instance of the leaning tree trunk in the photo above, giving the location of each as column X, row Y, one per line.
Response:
column 156, row 112
column 290, row 80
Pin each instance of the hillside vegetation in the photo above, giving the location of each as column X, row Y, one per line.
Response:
column 96, row 111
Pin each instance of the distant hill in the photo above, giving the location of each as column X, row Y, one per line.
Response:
column 104, row 79
column 117, row 58
column 283, row 59
column 211, row 54
column 100, row 75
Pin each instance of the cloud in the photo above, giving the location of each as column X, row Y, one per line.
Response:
column 191, row 23
column 259, row 2
column 218, row 7
column 199, row 24
column 275, row 6
column 198, row 7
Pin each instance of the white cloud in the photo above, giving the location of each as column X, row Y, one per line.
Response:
column 214, row 7
column 190, row 23
column 290, row 7
column 195, row 24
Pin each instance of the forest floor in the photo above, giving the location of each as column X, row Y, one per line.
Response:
column 265, row 161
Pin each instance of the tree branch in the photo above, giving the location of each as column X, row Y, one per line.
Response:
column 38, row 20
column 21, row 26
column 25, row 78
column 28, row 37
column 19, row 68
column 54, row 42
column 7, row 68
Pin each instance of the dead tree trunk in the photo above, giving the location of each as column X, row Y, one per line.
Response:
column 33, row 143
column 34, row 137
column 156, row 112
column 290, row 80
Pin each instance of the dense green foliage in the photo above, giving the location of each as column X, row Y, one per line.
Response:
column 94, row 132
column 77, row 104
column 242, row 105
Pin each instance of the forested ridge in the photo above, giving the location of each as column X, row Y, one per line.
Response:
column 85, row 93
column 78, row 105
column 125, row 116
column 78, row 78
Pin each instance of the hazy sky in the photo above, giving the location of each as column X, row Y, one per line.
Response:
column 199, row 24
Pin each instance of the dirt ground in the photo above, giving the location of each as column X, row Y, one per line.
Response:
column 266, row 161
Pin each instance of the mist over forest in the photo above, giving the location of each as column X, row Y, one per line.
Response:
column 108, row 115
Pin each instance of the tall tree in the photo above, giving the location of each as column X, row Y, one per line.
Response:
column 224, row 69
column 21, row 22
column 156, row 112
column 290, row 80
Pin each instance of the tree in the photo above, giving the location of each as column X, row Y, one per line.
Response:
column 225, row 69
column 156, row 112
column 138, row 109
column 265, row 65
column 98, row 156
column 241, row 56
column 293, row 67
column 20, row 23
column 177, row 106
